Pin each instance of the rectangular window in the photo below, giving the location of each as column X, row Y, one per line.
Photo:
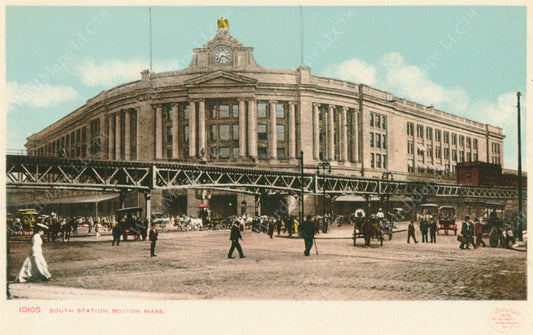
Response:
column 262, row 153
column 461, row 140
column 371, row 119
column 437, row 135
column 186, row 134
column 186, row 151
column 429, row 133
column 461, row 156
column 223, row 132
column 223, row 111
column 281, row 153
column 446, row 137
column 377, row 122
column 454, row 139
column 262, row 132
column 410, row 129
column 446, row 153
column 468, row 142
column 280, row 132
column 371, row 140
column 410, row 166
column 169, row 134
column 384, row 161
column 420, row 131
column 468, row 157
column 475, row 158
column 224, row 153
column 261, row 110
column 438, row 152
column 378, row 161
column 280, row 111
column 475, row 143
column 169, row 113
column 410, row 147
column 213, row 132
column 384, row 122
column 378, row 141
column 235, row 109
column 372, row 160
column 235, row 131
column 186, row 112
column 454, row 155
column 235, row 152
column 384, row 143
column 429, row 151
column 213, row 152
column 212, row 111
column 169, row 153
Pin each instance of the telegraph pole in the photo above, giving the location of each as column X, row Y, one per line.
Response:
column 519, row 171
column 302, row 186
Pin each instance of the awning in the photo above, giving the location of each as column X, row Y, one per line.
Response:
column 420, row 165
column 356, row 198
column 410, row 163
column 204, row 206
column 430, row 166
column 420, row 147
column 69, row 200
column 440, row 167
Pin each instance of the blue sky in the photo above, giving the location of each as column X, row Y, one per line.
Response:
column 468, row 61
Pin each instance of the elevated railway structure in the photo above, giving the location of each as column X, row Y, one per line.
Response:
column 36, row 172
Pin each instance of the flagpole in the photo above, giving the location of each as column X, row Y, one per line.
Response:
column 301, row 35
column 150, row 19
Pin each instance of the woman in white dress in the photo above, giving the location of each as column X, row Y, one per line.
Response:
column 35, row 267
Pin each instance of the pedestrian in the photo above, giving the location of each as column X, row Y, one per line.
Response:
column 97, row 229
column 368, row 228
column 278, row 225
column 464, row 234
column 34, row 266
column 478, row 230
column 424, row 229
column 290, row 226
column 471, row 234
column 411, row 232
column 153, row 238
column 117, row 232
column 270, row 228
column 308, row 234
column 235, row 235
column 433, row 231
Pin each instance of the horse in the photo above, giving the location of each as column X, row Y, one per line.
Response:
column 190, row 223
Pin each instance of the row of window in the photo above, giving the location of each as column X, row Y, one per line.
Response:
column 228, row 110
column 378, row 161
column 378, row 121
column 433, row 169
column 444, row 136
column 440, row 152
column 378, row 141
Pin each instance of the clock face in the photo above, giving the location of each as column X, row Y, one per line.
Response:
column 222, row 55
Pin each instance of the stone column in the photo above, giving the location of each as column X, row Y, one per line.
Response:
column 192, row 129
column 355, row 136
column 252, row 130
column 316, row 132
column 158, row 133
column 292, row 131
column 117, row 137
column 273, row 140
column 145, row 131
column 242, row 129
column 201, row 128
column 344, row 135
column 331, row 133
column 175, row 131
column 110, row 136
column 127, row 135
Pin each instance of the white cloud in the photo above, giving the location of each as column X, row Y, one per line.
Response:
column 354, row 70
column 393, row 74
column 110, row 73
column 38, row 95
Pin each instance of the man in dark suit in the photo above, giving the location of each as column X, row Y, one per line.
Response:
column 234, row 237
column 308, row 234
column 117, row 232
column 153, row 238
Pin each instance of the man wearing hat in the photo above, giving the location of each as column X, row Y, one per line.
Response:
column 235, row 235
column 464, row 233
column 308, row 234
column 153, row 238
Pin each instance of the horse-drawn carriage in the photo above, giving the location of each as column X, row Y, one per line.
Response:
column 444, row 214
column 25, row 220
column 379, row 228
column 131, row 223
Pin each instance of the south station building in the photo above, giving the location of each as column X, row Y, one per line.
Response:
column 225, row 109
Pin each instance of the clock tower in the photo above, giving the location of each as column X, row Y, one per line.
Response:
column 222, row 52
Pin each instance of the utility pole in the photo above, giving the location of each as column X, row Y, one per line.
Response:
column 302, row 186
column 519, row 218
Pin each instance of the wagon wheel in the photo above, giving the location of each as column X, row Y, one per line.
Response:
column 493, row 238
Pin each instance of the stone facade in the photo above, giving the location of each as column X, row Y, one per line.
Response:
column 226, row 109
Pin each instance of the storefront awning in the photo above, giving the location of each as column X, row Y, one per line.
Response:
column 421, row 147
column 410, row 163
column 430, row 166
column 421, row 165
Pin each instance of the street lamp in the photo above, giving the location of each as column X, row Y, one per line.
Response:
column 324, row 165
